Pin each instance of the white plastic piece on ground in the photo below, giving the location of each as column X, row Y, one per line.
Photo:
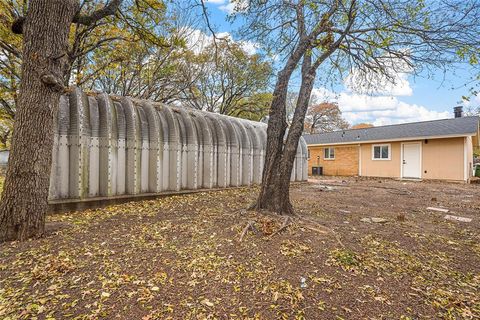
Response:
column 457, row 218
column 437, row 209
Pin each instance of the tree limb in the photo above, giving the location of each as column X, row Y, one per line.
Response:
column 7, row 47
column 90, row 19
column 86, row 20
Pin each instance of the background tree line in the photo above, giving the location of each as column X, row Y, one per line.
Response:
column 150, row 49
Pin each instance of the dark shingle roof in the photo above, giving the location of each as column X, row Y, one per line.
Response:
column 446, row 127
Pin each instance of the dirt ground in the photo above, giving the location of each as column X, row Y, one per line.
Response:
column 181, row 257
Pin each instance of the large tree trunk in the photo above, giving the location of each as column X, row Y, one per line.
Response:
column 24, row 199
column 271, row 198
column 280, row 156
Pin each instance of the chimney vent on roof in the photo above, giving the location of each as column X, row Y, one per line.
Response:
column 458, row 111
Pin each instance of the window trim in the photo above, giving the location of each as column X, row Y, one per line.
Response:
column 329, row 153
column 389, row 145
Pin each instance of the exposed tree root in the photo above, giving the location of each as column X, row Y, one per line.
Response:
column 318, row 228
column 303, row 222
column 249, row 226
column 286, row 223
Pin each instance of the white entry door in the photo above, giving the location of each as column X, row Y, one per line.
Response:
column 412, row 161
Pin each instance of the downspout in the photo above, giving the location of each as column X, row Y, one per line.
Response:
column 359, row 160
column 465, row 161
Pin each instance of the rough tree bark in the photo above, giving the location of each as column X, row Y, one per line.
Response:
column 280, row 155
column 45, row 45
column 279, row 158
column 272, row 195
column 24, row 199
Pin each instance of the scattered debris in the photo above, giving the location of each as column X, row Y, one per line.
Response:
column 286, row 223
column 374, row 220
column 345, row 211
column 139, row 253
column 303, row 282
column 207, row 303
column 438, row 209
column 401, row 217
column 323, row 187
column 400, row 192
column 434, row 199
column 457, row 218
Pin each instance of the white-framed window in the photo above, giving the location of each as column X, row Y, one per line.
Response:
column 381, row 152
column 329, row 153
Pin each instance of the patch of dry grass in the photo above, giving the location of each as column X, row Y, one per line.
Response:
column 180, row 258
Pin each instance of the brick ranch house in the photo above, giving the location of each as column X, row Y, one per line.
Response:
column 439, row 149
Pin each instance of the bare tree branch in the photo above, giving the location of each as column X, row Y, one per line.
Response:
column 86, row 20
column 90, row 19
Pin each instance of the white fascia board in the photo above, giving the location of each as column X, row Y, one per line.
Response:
column 390, row 140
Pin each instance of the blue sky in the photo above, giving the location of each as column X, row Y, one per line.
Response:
column 412, row 99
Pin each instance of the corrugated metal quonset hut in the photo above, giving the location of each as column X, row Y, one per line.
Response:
column 107, row 146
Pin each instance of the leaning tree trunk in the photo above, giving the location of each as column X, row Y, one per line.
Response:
column 24, row 199
column 280, row 156
column 270, row 197
column 295, row 132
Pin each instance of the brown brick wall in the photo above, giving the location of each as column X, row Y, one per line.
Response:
column 344, row 164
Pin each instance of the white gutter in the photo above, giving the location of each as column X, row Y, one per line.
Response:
column 391, row 140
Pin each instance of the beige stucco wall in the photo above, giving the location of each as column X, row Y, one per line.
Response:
column 444, row 159
column 441, row 159
column 469, row 144
column 380, row 168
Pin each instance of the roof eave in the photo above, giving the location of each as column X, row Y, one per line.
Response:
column 393, row 140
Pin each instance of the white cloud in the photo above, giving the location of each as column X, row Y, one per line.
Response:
column 373, row 98
column 249, row 47
column 197, row 41
column 234, row 7
column 228, row 8
column 378, row 110
column 215, row 1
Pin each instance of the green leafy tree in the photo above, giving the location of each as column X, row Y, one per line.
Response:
column 254, row 107
column 95, row 50
column 10, row 60
column 140, row 70
column 227, row 78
